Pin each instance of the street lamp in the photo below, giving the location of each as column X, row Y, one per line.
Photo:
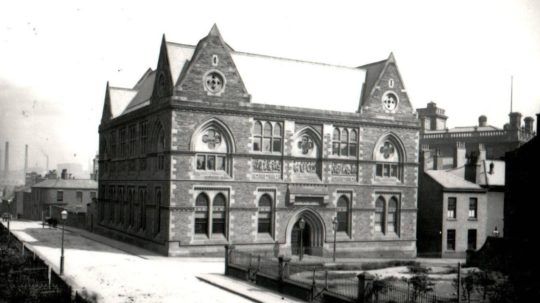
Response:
column 64, row 217
column 302, row 225
column 335, row 224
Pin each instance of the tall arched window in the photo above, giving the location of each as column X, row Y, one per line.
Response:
column 264, row 225
column 392, row 215
column 379, row 214
column 389, row 159
column 131, row 197
column 267, row 136
column 158, row 210
column 257, row 136
column 344, row 142
column 218, row 215
column 142, row 208
column 343, row 214
column 201, row 214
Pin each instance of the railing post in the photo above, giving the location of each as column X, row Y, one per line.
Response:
column 227, row 248
column 363, row 279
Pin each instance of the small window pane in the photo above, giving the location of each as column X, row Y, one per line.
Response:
column 267, row 130
column 345, row 136
column 257, row 143
column 352, row 150
column 344, row 149
column 277, row 145
column 386, row 172
column 201, row 162
column 211, row 162
column 335, row 148
column 258, row 129
column 335, row 135
column 266, row 144
column 379, row 170
column 277, row 130
column 393, row 171
column 220, row 164
column 353, row 136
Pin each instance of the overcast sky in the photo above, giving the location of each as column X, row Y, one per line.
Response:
column 56, row 56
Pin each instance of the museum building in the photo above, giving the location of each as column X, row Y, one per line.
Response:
column 217, row 146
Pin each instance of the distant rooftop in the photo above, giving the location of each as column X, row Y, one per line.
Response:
column 67, row 184
column 451, row 181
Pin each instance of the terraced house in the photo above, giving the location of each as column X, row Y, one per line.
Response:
column 217, row 146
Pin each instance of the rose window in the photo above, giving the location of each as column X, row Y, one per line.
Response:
column 305, row 144
column 214, row 82
column 390, row 101
column 212, row 139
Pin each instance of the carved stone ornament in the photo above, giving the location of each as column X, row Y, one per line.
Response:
column 305, row 144
column 212, row 138
column 266, row 165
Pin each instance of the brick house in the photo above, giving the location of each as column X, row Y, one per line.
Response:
column 217, row 147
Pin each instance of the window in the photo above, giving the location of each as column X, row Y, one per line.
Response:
column 473, row 208
column 379, row 214
column 161, row 162
column 120, row 202
column 388, row 160
column 201, row 214
column 264, row 225
column 143, row 130
column 343, row 214
column 211, row 162
column 112, row 199
column 132, row 139
column 471, row 239
column 113, row 143
column 451, row 212
column 392, row 221
column 390, row 101
column 93, row 195
column 451, row 239
column 267, row 136
column 131, row 198
column 344, row 142
column 218, row 215
column 142, row 206
column 78, row 196
column 123, row 142
column 158, row 210
column 59, row 196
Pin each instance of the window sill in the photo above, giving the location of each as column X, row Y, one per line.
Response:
column 472, row 219
column 451, row 219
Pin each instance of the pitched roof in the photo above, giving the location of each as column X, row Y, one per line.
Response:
column 67, row 184
column 492, row 177
column 450, row 181
column 269, row 80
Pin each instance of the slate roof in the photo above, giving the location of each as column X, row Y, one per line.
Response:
column 67, row 184
column 269, row 80
column 450, row 181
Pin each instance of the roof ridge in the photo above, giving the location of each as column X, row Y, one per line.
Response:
column 122, row 88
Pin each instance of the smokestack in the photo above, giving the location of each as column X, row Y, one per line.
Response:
column 25, row 158
column 6, row 162
column 515, row 120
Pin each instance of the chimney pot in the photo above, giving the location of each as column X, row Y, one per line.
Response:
column 482, row 121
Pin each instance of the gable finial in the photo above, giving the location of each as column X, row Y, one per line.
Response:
column 214, row 31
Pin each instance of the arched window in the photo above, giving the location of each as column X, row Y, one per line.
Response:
column 160, row 147
column 264, row 225
column 142, row 207
column 158, row 210
column 112, row 200
column 379, row 215
column 131, row 198
column 388, row 156
column 344, row 142
column 257, row 136
column 201, row 214
column 343, row 214
column 392, row 222
column 212, row 146
column 218, row 215
column 267, row 138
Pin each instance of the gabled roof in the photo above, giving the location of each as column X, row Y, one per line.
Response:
column 451, row 182
column 268, row 80
column 67, row 184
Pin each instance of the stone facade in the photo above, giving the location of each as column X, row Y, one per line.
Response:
column 189, row 163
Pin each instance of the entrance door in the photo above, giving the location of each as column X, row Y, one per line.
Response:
column 305, row 237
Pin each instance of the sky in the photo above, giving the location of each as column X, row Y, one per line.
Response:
column 57, row 56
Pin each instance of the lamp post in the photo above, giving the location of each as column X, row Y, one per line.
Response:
column 302, row 225
column 335, row 225
column 64, row 217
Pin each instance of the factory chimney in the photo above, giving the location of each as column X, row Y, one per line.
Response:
column 25, row 158
column 6, row 161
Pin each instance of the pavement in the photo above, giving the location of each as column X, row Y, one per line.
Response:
column 115, row 271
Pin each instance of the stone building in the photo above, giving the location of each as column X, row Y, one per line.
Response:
column 217, row 146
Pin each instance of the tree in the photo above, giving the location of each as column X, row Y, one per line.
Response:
column 420, row 281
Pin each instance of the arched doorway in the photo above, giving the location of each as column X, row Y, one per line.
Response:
column 312, row 236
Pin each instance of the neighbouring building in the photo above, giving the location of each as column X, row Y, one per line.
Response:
column 71, row 194
column 217, row 146
column 472, row 154
column 521, row 210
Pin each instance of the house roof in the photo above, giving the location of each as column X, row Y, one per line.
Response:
column 492, row 177
column 451, row 181
column 67, row 184
column 268, row 80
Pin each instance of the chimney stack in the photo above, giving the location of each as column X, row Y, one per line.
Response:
column 515, row 121
column 481, row 153
column 437, row 159
column 6, row 162
column 529, row 124
column 460, row 156
column 25, row 158
column 482, row 121
column 64, row 174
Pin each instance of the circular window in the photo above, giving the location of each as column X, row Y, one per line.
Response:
column 214, row 82
column 390, row 101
